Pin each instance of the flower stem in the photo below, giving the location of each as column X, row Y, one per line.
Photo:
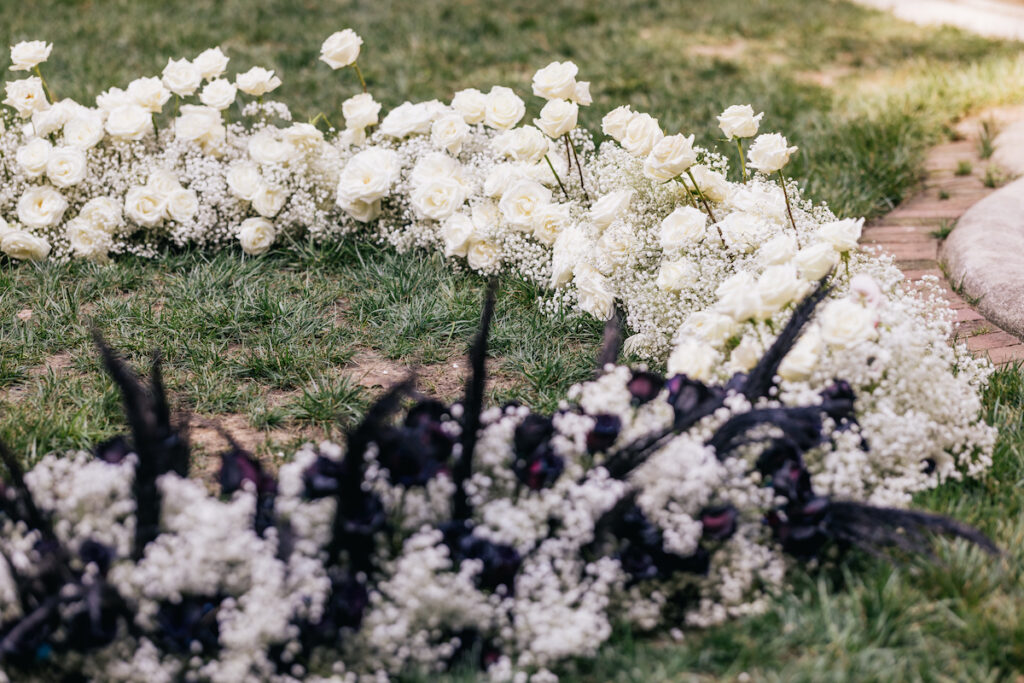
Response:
column 46, row 87
column 579, row 168
column 321, row 116
column 555, row 173
column 703, row 199
column 789, row 209
column 359, row 73
column 743, row 162
column 177, row 104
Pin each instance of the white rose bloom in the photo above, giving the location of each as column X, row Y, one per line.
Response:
column 130, row 122
column 303, row 138
column 103, row 213
column 526, row 144
column 84, row 130
column 364, row 212
column 368, row 175
column 684, row 226
column 712, row 327
column 522, row 202
column 87, row 241
column 408, row 119
column 163, row 181
column 483, row 256
column 712, row 184
column 738, row 297
column 769, row 153
column 778, row 250
column 32, row 157
column 199, row 124
column 66, row 166
column 845, row 323
column 594, row 291
column 112, row 98
column 182, row 205
column 606, row 209
column 842, row 235
column 503, row 108
column 438, row 198
column 26, row 55
column 360, row 111
column 41, row 207
column 341, row 49
column 456, row 233
column 243, row 179
column 181, row 77
column 145, row 205
column 865, row 288
column 674, row 276
column 777, row 287
column 642, row 134
column 616, row 121
column 557, row 118
column 472, row 104
column 556, row 81
column 256, row 235
column 501, row 177
column 219, row 94
column 670, row 157
column 149, row 93
column 745, row 356
column 741, row 231
column 549, row 222
column 50, row 120
column 265, row 148
column 21, row 245
column 816, row 260
column 801, row 360
column 570, row 247
column 739, row 121
column 269, row 200
column 581, row 95
column 257, row 81
column 211, row 63
column 433, row 165
column 694, row 359
column 449, row 132
column 26, row 96
column 614, row 247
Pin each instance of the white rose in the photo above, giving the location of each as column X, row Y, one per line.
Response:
column 438, row 199
column 219, row 94
column 746, row 355
column 211, row 63
column 24, row 246
column 614, row 246
column 800, row 362
column 549, row 222
column 50, row 120
column 769, row 153
column 360, row 111
column 26, row 96
column 865, row 288
column 556, row 81
column 449, row 132
column 616, row 121
column 777, row 287
column 557, row 118
column 243, row 180
column 145, row 206
column 32, row 157
column 84, row 131
column 816, row 260
column 130, row 122
column 471, row 103
column 256, row 235
column 66, row 166
column 87, row 241
column 483, row 256
column 103, row 213
column 674, row 276
column 581, row 95
column 368, row 175
column 738, row 121
column 670, row 157
column 503, row 108
column 500, row 179
column 711, row 326
column 741, row 231
column 522, row 202
column 694, row 359
column 526, row 144
column 642, row 134
column 26, row 55
column 148, row 93
column 41, row 207
column 738, row 297
column 606, row 209
column 845, row 323
column 364, row 212
column 778, row 250
column 163, row 181
column 684, row 226
column 199, row 124
column 181, row 77
column 570, row 247
column 341, row 49
column 842, row 235
column 269, row 200
column 112, row 98
column 257, row 81
column 408, row 119
column 456, row 233
column 265, row 147
column 182, row 205
column 434, row 165
column 712, row 184
column 594, row 291
column 303, row 138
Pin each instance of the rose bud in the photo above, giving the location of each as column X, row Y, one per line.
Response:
column 605, row 432
column 719, row 522
column 645, row 386
column 113, row 450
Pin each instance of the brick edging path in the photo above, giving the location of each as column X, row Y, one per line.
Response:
column 910, row 233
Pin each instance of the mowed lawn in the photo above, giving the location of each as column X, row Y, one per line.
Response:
column 287, row 347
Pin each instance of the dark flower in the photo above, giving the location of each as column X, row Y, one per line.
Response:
column 689, row 396
column 645, row 386
column 719, row 522
column 113, row 450
column 540, row 469
column 192, row 620
column 323, row 477
column 792, row 481
column 605, row 432
column 500, row 562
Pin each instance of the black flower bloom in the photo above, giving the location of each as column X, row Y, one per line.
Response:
column 540, row 469
column 792, row 481
column 719, row 522
column 192, row 620
column 688, row 396
column 643, row 556
column 605, row 432
column 323, row 477
column 645, row 386
column 501, row 562
column 113, row 450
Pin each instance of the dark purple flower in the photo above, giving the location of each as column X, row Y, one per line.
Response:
column 719, row 522
column 838, row 400
column 323, row 477
column 237, row 466
column 645, row 386
column 792, row 481
column 113, row 450
column 533, row 431
column 540, row 469
column 689, row 395
column 605, row 432
column 500, row 562
column 191, row 620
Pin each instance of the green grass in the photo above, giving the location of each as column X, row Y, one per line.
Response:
column 284, row 340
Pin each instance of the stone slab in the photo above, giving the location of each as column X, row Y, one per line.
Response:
column 1009, row 144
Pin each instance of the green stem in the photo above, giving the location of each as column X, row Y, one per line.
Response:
column 177, row 104
column 359, row 73
column 46, row 87
column 579, row 168
column 743, row 162
column 555, row 173
column 703, row 199
column 789, row 209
